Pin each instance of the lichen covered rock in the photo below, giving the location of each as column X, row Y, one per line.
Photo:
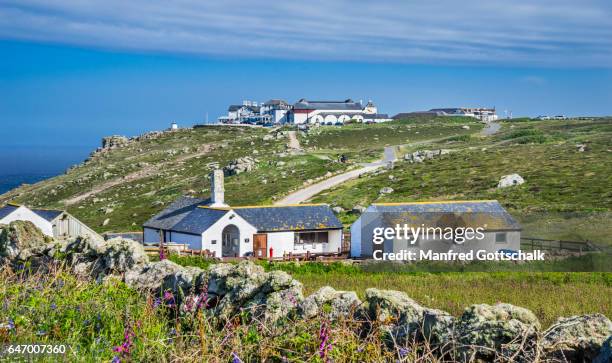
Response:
column 505, row 328
column 338, row 303
column 577, row 338
column 19, row 236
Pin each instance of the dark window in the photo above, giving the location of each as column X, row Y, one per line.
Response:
column 500, row 238
column 213, row 242
column 311, row 237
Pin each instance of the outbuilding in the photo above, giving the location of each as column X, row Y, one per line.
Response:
column 53, row 223
column 436, row 226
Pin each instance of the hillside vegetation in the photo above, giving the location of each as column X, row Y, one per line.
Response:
column 566, row 166
column 128, row 184
column 567, row 192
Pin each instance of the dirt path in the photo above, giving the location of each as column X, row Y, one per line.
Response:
column 294, row 143
column 145, row 172
column 310, row 191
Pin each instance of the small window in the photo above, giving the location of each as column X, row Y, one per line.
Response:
column 213, row 242
column 500, row 238
column 247, row 240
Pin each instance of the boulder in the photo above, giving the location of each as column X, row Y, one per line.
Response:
column 400, row 316
column 337, row 210
column 465, row 127
column 247, row 287
column 102, row 258
column 507, row 329
column 114, row 141
column 240, row 165
column 18, row 237
column 386, row 190
column 152, row 276
column 577, row 338
column 421, row 155
column 338, row 303
column 510, row 180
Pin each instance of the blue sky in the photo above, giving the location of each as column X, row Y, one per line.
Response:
column 74, row 71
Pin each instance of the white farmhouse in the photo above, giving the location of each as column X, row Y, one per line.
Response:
column 53, row 223
column 244, row 231
column 500, row 230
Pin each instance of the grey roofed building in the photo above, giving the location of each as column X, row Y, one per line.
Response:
column 348, row 105
column 194, row 216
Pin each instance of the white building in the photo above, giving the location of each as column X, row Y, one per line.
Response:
column 53, row 223
column 244, row 231
column 334, row 112
column 248, row 112
column 501, row 231
column 483, row 114
column 278, row 110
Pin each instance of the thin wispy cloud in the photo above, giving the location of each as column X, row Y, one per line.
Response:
column 519, row 32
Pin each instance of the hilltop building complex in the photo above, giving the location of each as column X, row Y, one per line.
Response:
column 278, row 111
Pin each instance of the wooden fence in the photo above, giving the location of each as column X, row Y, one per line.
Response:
column 529, row 243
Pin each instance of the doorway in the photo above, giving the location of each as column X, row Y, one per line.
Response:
column 260, row 245
column 230, row 241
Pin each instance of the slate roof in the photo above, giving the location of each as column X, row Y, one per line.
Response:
column 191, row 215
column 488, row 214
column 48, row 214
column 7, row 209
column 328, row 105
column 289, row 218
column 276, row 101
column 199, row 220
column 175, row 213
column 232, row 108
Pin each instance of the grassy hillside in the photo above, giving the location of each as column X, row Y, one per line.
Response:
column 129, row 184
column 566, row 193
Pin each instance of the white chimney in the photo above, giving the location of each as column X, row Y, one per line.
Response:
column 217, row 190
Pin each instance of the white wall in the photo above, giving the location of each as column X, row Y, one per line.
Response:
column 284, row 242
column 215, row 233
column 280, row 242
column 25, row 214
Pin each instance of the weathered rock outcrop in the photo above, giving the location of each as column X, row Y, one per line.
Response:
column 18, row 237
column 328, row 300
column 577, row 338
column 240, row 165
column 421, row 155
column 506, row 329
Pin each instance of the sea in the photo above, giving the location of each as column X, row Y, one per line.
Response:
column 29, row 164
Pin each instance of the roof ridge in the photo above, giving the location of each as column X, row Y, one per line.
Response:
column 263, row 206
column 437, row 202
